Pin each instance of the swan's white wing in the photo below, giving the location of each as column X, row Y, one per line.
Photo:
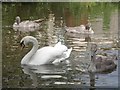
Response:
column 64, row 56
column 58, row 44
column 46, row 55
column 23, row 23
column 32, row 24
column 43, row 56
column 68, row 52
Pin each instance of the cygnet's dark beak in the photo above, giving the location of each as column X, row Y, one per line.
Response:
column 22, row 45
column 91, row 57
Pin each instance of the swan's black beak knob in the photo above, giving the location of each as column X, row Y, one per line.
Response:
column 22, row 45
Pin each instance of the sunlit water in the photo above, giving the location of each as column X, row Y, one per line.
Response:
column 70, row 73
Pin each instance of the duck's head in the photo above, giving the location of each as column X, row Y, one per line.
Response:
column 17, row 20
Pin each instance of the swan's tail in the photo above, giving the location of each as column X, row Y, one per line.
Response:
column 68, row 52
column 64, row 57
column 58, row 44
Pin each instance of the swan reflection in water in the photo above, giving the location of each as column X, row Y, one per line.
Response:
column 44, row 72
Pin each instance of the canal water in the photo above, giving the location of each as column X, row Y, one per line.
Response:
column 70, row 73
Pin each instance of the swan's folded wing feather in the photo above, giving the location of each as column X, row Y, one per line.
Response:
column 64, row 56
column 45, row 55
column 68, row 52
column 58, row 44
column 42, row 56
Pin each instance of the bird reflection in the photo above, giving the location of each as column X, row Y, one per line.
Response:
column 87, row 38
column 36, row 71
column 28, row 71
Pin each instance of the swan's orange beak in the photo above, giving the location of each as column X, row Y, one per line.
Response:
column 22, row 45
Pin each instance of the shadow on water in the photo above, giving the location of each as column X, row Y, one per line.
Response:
column 73, row 73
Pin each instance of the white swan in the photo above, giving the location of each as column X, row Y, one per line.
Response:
column 27, row 23
column 45, row 55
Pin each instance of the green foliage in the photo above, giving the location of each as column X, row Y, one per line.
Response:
column 42, row 9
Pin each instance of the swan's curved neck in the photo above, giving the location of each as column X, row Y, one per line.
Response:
column 29, row 55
